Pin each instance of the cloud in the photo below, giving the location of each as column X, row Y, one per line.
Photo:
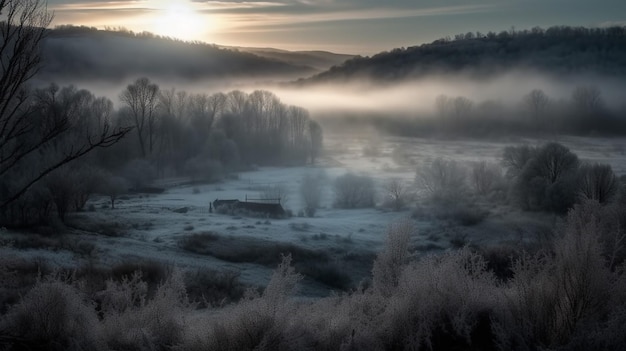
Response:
column 273, row 16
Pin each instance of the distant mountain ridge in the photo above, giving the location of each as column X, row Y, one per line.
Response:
column 85, row 54
column 556, row 50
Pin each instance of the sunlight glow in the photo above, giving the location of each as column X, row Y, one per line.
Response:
column 179, row 19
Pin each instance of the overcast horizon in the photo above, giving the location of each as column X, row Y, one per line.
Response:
column 356, row 27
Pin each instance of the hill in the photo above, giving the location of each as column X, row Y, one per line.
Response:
column 319, row 60
column 557, row 50
column 85, row 54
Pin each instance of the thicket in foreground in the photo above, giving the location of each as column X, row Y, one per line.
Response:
column 570, row 296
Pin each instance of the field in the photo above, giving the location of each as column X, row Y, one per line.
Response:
column 334, row 249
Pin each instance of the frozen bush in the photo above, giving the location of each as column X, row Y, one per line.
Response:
column 259, row 322
column 132, row 321
column 54, row 315
column 396, row 194
column 354, row 191
column 118, row 297
column 440, row 303
column 390, row 262
column 442, row 180
column 547, row 180
column 552, row 296
column 485, row 177
column 526, row 320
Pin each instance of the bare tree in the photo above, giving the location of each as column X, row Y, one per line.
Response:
column 442, row 105
column 25, row 133
column 537, row 102
column 553, row 162
column 317, row 139
column 236, row 102
column 113, row 187
column 587, row 99
column 597, row 182
column 442, row 179
column 462, row 106
column 173, row 103
column 485, row 177
column 354, row 191
column 397, row 193
column 204, row 109
column 141, row 97
column 515, row 158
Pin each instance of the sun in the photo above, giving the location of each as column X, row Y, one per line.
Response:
column 178, row 19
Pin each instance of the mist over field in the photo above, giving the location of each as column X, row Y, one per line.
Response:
column 418, row 96
column 464, row 194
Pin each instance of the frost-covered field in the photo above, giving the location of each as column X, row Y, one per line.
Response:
column 151, row 227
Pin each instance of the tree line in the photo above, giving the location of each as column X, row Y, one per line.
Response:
column 557, row 50
column 585, row 112
column 236, row 128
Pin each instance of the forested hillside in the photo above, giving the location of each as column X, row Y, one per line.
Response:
column 556, row 50
column 82, row 53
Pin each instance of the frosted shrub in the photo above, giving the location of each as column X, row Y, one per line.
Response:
column 551, row 297
column 547, row 181
column 396, row 194
column 118, row 297
column 132, row 321
column 259, row 322
column 442, row 180
column 390, row 262
column 54, row 315
column 439, row 304
column 283, row 283
column 443, row 183
column 526, row 319
column 354, row 191
column 486, row 178
column 583, row 280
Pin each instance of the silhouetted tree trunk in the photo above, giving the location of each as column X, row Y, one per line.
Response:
column 25, row 137
column 141, row 97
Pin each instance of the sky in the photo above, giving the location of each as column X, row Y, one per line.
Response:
column 362, row 27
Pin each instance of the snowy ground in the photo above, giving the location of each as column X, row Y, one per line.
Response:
column 151, row 226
